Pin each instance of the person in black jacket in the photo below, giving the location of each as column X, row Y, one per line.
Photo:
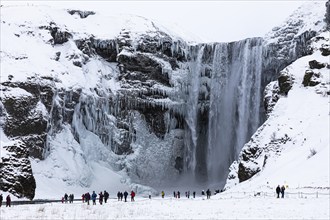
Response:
column 106, row 196
column 278, row 190
column 282, row 191
column 125, row 195
column 101, row 198
column 1, row 199
column 118, row 196
column 208, row 194
column 8, row 201
column 66, row 198
column 87, row 197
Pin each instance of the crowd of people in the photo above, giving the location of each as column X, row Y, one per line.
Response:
column 102, row 197
column 122, row 196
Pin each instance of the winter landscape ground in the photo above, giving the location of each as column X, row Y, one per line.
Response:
column 229, row 206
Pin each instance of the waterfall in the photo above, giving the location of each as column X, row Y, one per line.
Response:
column 235, row 94
column 195, row 67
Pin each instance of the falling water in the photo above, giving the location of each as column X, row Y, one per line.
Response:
column 234, row 103
column 192, row 110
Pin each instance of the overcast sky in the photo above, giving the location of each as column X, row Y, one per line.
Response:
column 220, row 21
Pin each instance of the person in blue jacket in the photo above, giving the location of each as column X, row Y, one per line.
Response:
column 94, row 198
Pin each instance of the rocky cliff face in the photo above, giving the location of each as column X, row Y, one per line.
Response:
column 141, row 102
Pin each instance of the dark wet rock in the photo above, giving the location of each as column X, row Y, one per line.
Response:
column 87, row 47
column 325, row 50
column 108, row 49
column 144, row 67
column 311, row 78
column 15, row 171
column 271, row 96
column 285, row 82
column 82, row 14
column 162, row 44
column 59, row 37
column 77, row 63
column 35, row 144
column 155, row 120
column 245, row 173
column 57, row 56
column 313, row 64
column 278, row 55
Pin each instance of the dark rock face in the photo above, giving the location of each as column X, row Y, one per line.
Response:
column 59, row 37
column 313, row 64
column 289, row 47
column 23, row 120
column 271, row 96
column 163, row 44
column 17, row 162
column 105, row 48
column 144, row 68
column 82, row 14
column 245, row 173
column 26, row 123
column 155, row 120
column 285, row 83
column 325, row 50
column 310, row 78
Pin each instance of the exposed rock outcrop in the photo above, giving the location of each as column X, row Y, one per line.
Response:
column 16, row 172
column 311, row 78
column 313, row 64
column 82, row 14
column 285, row 82
column 325, row 49
column 271, row 96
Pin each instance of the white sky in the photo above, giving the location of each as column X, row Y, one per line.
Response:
column 209, row 20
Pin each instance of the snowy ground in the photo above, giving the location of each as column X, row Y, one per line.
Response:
column 218, row 207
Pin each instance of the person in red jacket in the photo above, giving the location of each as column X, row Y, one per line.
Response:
column 132, row 196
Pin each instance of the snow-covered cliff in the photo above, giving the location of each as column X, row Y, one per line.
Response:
column 91, row 102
